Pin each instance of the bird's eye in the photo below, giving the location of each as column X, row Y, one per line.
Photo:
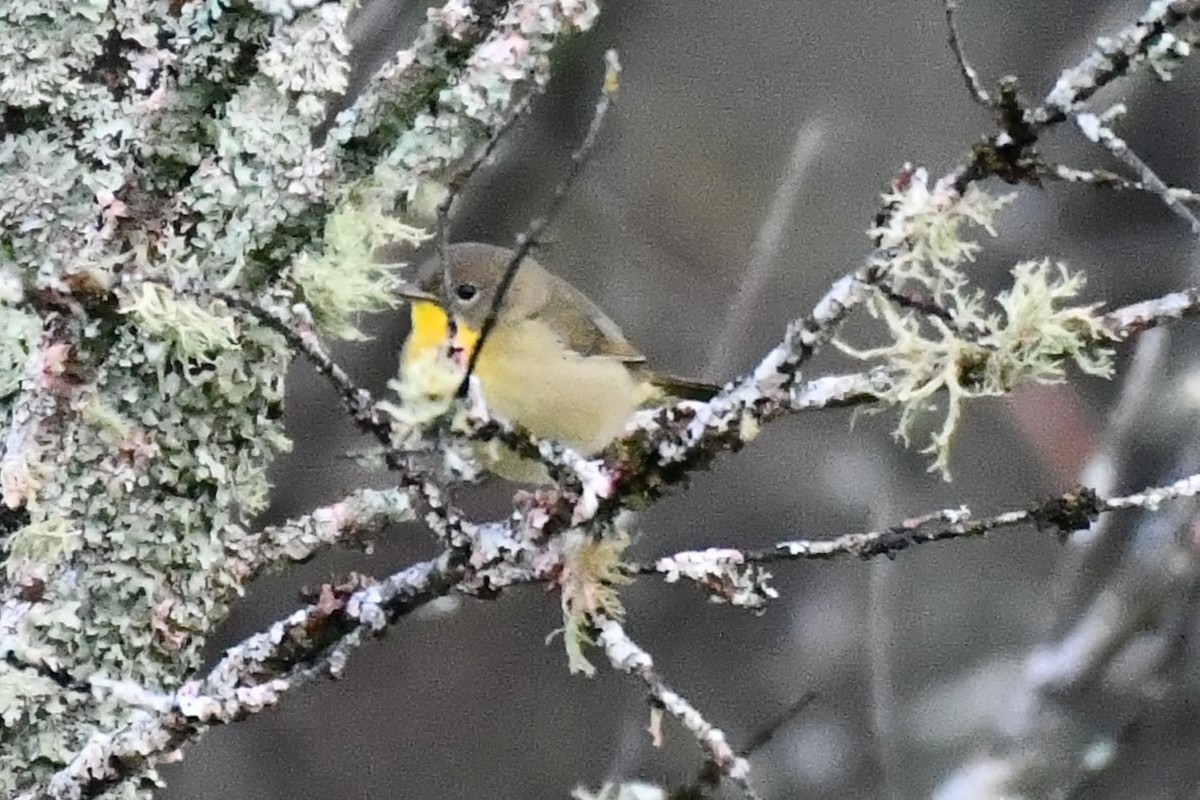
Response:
column 466, row 292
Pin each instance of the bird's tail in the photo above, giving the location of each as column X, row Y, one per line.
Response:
column 682, row 388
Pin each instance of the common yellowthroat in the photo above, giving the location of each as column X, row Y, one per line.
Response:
column 553, row 363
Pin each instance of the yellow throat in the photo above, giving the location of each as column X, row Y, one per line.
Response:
column 431, row 332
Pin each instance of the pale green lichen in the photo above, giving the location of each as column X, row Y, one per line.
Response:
column 588, row 583
column 426, row 391
column 177, row 147
column 18, row 334
column 191, row 331
column 46, row 541
column 346, row 279
column 425, row 387
column 972, row 346
column 1037, row 335
column 253, row 194
column 985, row 355
column 147, row 568
column 923, row 234
column 21, row 691
column 514, row 54
column 622, row 791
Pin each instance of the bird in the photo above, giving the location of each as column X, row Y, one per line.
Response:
column 553, row 362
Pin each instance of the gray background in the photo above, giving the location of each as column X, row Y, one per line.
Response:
column 912, row 662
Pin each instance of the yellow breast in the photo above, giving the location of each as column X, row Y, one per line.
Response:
column 528, row 377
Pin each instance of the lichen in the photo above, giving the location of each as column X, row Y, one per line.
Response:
column 18, row 334
column 952, row 343
column 426, row 388
column 923, row 233
column 346, row 279
column 490, row 72
column 588, row 583
column 193, row 332
column 176, row 142
column 724, row 573
column 622, row 791
column 1028, row 340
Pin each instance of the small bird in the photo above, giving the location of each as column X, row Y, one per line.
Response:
column 553, row 362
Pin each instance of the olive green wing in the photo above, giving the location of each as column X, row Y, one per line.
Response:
column 587, row 330
column 583, row 327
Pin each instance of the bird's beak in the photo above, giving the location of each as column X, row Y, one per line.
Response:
column 412, row 292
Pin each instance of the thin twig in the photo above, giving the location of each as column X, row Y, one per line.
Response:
column 629, row 657
column 1123, row 322
column 527, row 239
column 1104, row 179
column 1113, row 57
column 1010, row 154
column 1072, row 511
column 929, row 308
column 969, row 75
column 709, row 776
column 767, row 733
column 460, row 179
column 446, row 521
column 1095, row 127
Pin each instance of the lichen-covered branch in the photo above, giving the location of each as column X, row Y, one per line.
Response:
column 736, row 575
column 1096, row 128
column 351, row 519
column 876, row 385
column 250, row 678
column 1150, row 41
column 175, row 142
column 1116, row 655
column 1161, row 38
column 627, row 656
column 179, row 219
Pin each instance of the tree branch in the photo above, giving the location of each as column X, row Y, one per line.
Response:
column 717, row 569
column 626, row 656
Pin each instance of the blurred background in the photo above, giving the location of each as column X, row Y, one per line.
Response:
column 953, row 670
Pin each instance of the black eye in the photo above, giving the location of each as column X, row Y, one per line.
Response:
column 465, row 291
